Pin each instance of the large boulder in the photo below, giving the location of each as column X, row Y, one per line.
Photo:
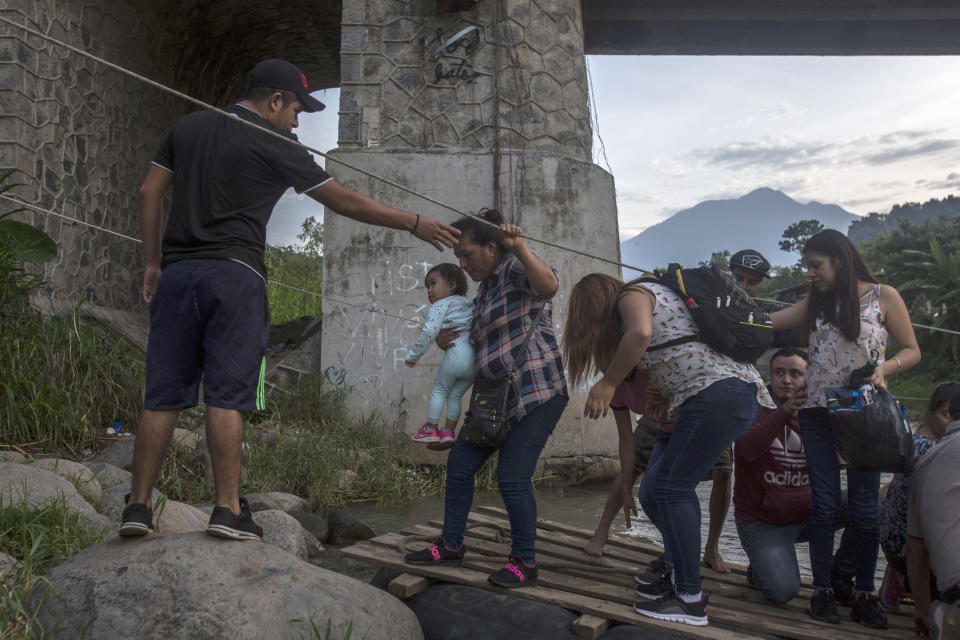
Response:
column 119, row 454
column 185, row 440
column 39, row 486
column 81, row 477
column 289, row 502
column 467, row 613
column 108, row 475
column 283, row 531
column 262, row 502
column 178, row 517
column 11, row 456
column 204, row 588
column 316, row 523
column 344, row 527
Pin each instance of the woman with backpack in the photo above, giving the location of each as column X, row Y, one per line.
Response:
column 849, row 318
column 612, row 329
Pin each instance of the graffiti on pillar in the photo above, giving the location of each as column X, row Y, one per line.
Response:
column 335, row 376
column 462, row 44
column 377, row 339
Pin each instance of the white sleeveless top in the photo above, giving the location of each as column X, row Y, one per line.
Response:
column 682, row 371
column 833, row 358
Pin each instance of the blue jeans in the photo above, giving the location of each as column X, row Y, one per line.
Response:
column 515, row 466
column 708, row 423
column 454, row 377
column 863, row 506
column 773, row 557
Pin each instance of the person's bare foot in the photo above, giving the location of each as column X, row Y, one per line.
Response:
column 595, row 546
column 711, row 558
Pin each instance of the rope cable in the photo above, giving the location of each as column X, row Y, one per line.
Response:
column 272, row 282
column 279, row 136
column 291, row 141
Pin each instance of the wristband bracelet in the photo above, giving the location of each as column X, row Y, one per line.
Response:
column 416, row 224
column 898, row 364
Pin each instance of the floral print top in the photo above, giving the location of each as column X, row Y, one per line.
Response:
column 833, row 358
column 680, row 372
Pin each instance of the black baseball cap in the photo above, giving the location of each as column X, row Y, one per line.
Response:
column 751, row 261
column 280, row 74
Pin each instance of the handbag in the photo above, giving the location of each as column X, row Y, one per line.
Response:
column 486, row 423
column 870, row 429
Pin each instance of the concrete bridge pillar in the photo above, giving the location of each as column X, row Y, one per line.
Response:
column 495, row 116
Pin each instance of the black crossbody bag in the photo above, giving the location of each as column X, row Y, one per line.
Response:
column 485, row 424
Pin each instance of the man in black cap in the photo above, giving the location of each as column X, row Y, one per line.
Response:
column 209, row 316
column 749, row 267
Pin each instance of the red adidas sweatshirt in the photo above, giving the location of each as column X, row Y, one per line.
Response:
column 770, row 471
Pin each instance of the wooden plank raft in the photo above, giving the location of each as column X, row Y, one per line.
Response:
column 601, row 589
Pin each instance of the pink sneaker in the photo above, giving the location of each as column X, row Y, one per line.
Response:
column 891, row 590
column 445, row 441
column 427, row 433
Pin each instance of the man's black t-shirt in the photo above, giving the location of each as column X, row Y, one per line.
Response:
column 227, row 179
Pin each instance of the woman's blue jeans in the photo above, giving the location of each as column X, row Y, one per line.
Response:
column 516, row 463
column 863, row 505
column 708, row 423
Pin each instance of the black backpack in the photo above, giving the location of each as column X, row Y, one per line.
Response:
column 727, row 318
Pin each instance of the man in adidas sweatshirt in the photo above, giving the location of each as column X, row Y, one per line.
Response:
column 771, row 496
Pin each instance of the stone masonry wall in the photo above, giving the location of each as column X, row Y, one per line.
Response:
column 81, row 137
column 524, row 55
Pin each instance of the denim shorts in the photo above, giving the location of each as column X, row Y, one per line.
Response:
column 209, row 322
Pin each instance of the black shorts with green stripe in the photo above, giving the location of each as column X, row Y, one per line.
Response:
column 209, row 322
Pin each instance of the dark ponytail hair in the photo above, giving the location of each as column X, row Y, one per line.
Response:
column 479, row 233
column 840, row 307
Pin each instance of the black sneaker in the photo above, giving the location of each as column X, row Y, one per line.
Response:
column 438, row 555
column 514, row 574
column 224, row 523
column 842, row 586
column 866, row 610
column 823, row 607
column 137, row 519
column 670, row 607
column 655, row 581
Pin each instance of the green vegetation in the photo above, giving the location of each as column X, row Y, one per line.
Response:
column 39, row 538
column 872, row 225
column 297, row 266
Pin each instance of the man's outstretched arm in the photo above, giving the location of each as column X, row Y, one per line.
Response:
column 357, row 206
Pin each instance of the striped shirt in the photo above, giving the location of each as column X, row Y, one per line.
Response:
column 502, row 312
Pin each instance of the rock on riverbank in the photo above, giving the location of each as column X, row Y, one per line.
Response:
column 194, row 586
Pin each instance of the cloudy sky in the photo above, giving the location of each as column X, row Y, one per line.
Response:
column 863, row 133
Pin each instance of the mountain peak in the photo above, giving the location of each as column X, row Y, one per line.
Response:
column 757, row 219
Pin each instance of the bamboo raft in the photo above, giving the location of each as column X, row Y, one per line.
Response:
column 601, row 589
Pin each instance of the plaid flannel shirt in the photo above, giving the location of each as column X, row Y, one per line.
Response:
column 503, row 310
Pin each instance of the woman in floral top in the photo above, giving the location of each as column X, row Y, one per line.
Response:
column 849, row 317
column 514, row 284
column 712, row 397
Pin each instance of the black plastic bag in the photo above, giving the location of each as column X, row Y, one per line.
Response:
column 870, row 430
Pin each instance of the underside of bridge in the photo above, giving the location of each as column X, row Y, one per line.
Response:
column 771, row 27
